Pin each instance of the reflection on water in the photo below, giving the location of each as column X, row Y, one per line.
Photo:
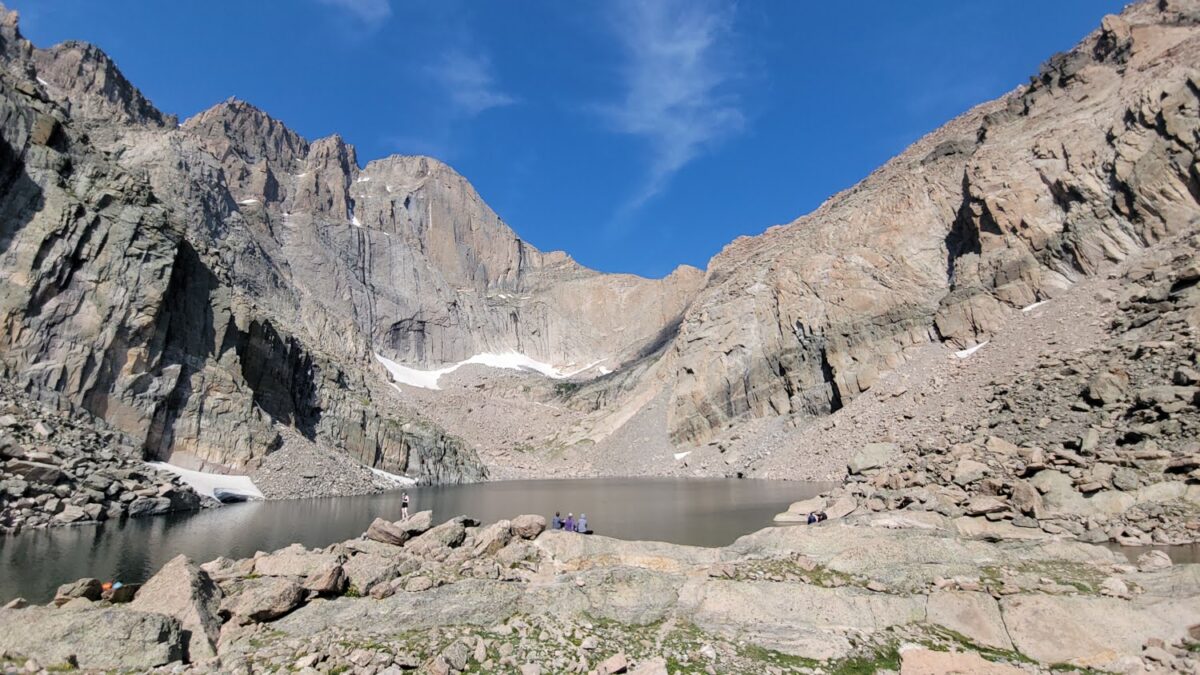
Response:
column 700, row 512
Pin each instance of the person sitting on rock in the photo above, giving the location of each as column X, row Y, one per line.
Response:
column 569, row 526
column 581, row 526
column 556, row 522
column 821, row 516
column 812, row 518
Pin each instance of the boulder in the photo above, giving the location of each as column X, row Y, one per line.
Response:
column 83, row 588
column 71, row 513
column 617, row 663
column 149, row 506
column 387, row 532
column 1161, row 492
column 38, row 472
column 416, row 524
column 968, row 471
column 449, row 534
column 980, row 505
column 329, row 579
column 528, row 526
column 1107, row 387
column 871, row 456
column 418, row 584
column 841, row 508
column 263, row 600
column 293, row 561
column 367, row 569
column 998, row 446
column 95, row 638
column 185, row 592
column 1026, row 499
column 492, row 538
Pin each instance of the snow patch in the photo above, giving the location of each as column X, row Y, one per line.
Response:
column 397, row 479
column 43, row 82
column 363, row 179
column 248, row 201
column 1034, row 306
column 428, row 379
column 970, row 350
column 204, row 483
column 354, row 221
column 680, row 455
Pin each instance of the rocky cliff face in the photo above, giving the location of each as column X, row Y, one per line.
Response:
column 201, row 286
column 133, row 287
column 1005, row 206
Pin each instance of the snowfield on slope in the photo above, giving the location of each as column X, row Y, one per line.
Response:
column 428, row 379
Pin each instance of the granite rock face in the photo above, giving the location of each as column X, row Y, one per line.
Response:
column 200, row 286
column 135, row 290
column 206, row 287
column 1005, row 206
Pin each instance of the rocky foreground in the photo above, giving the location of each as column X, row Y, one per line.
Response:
column 902, row 591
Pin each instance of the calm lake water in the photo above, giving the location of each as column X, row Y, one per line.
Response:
column 685, row 511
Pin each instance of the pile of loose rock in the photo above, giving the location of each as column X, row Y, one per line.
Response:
column 1100, row 445
column 63, row 467
column 301, row 469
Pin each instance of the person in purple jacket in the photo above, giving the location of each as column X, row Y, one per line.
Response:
column 569, row 523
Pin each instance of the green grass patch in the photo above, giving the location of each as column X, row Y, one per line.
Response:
column 887, row 658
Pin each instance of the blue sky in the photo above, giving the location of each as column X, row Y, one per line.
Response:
column 636, row 135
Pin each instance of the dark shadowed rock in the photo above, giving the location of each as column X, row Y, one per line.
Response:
column 83, row 588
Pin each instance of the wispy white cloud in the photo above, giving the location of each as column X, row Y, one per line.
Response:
column 365, row 10
column 679, row 63
column 468, row 81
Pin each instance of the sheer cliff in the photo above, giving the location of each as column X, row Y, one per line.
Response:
column 202, row 286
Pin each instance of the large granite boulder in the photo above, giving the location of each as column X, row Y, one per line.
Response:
column 263, row 600
column 184, row 591
column 92, row 639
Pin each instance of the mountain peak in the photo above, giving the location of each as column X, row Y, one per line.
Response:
column 251, row 131
column 87, row 82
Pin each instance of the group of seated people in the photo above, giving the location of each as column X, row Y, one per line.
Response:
column 570, row 524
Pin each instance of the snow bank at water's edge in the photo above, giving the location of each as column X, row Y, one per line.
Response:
column 404, row 481
column 204, row 483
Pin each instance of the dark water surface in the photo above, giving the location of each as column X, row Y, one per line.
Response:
column 700, row 512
